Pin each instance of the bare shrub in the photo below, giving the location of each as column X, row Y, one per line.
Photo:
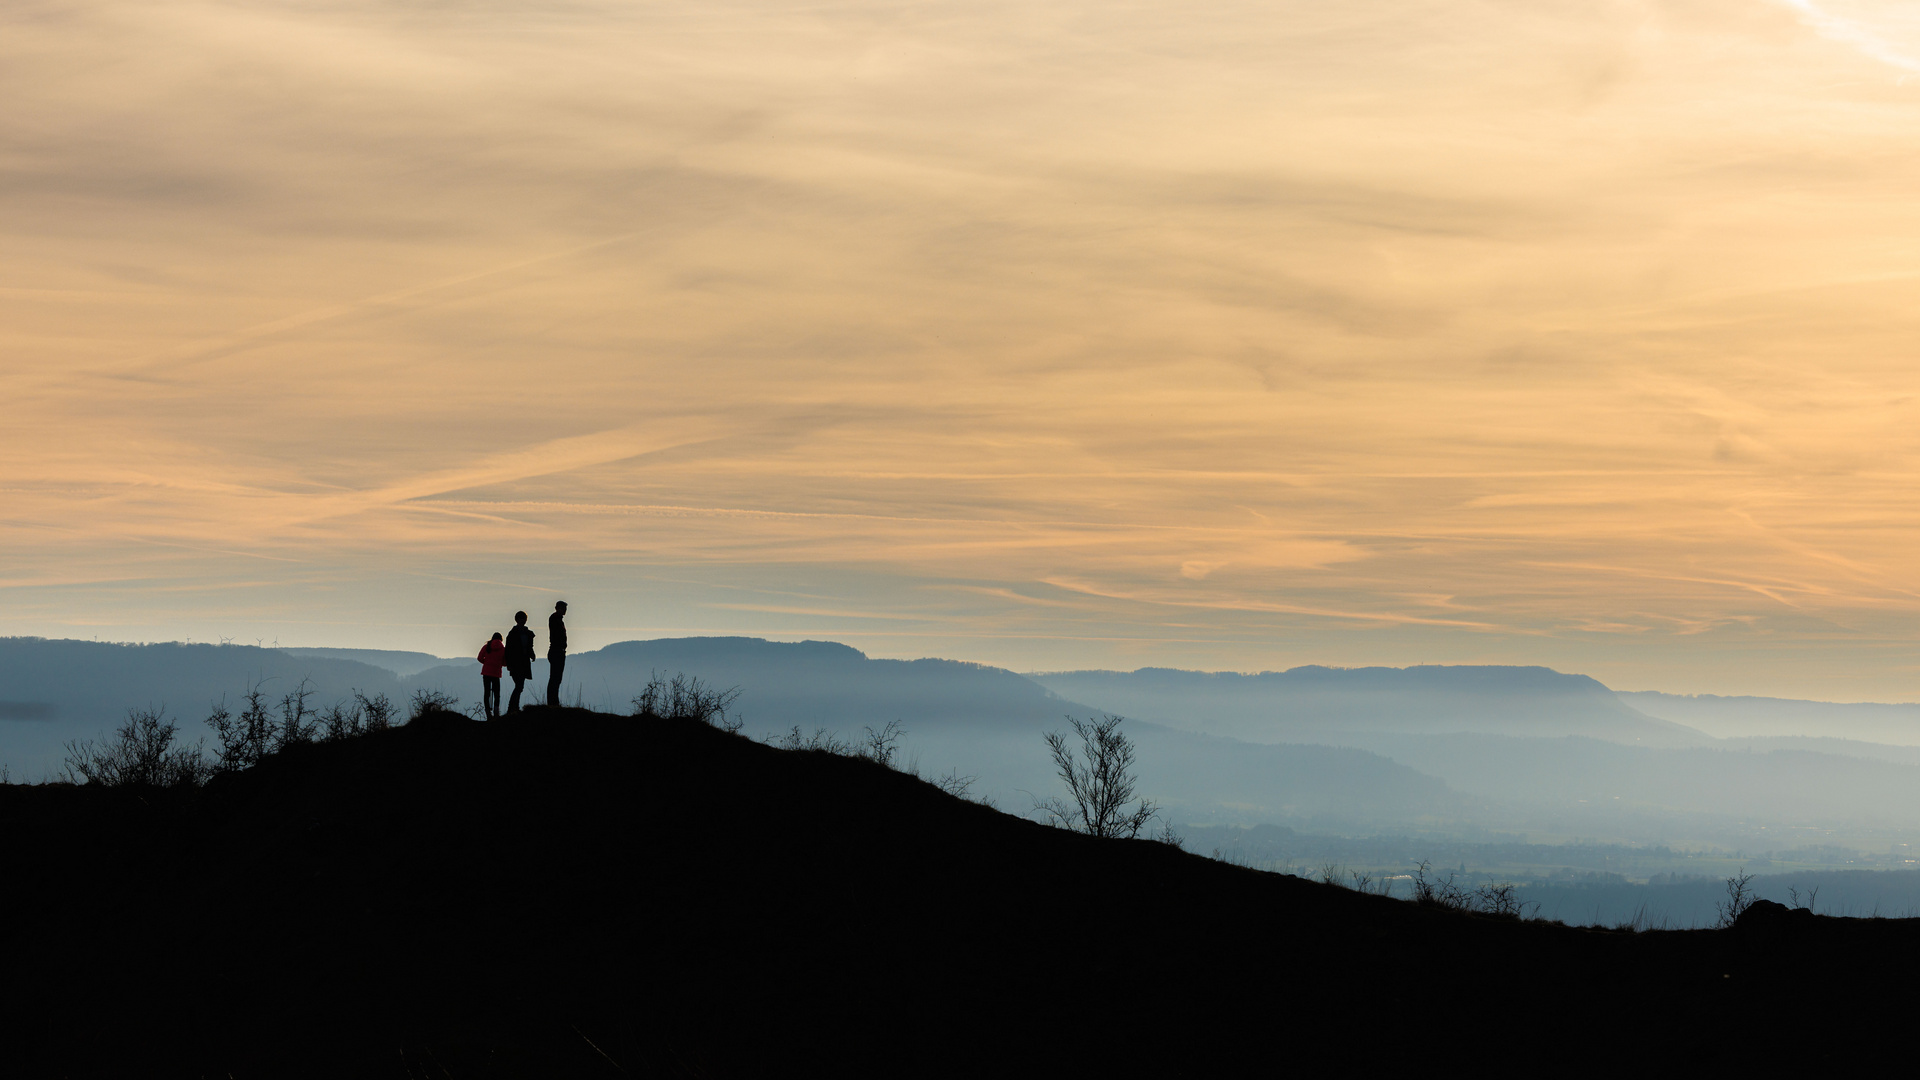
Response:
column 684, row 697
column 299, row 724
column 246, row 738
column 1432, row 891
column 1167, row 836
column 1502, row 900
column 1740, row 897
column 954, row 784
column 1813, row 894
column 376, row 712
column 1100, row 781
column 821, row 740
column 140, row 754
column 426, row 701
column 355, row 717
column 1333, row 874
column 339, row 721
column 879, row 745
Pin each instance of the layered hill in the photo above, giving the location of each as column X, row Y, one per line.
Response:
column 1318, row 704
column 1748, row 717
column 60, row 690
column 1449, row 749
column 533, row 897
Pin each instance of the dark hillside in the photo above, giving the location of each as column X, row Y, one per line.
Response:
column 553, row 895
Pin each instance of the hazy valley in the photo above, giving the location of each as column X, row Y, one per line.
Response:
column 1524, row 774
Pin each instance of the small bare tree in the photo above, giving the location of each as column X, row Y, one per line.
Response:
column 1740, row 897
column 879, row 745
column 1100, row 781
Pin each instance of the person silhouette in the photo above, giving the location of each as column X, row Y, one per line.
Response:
column 492, row 655
column 519, row 658
column 556, row 651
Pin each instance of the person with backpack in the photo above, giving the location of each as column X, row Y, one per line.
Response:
column 492, row 655
column 519, row 658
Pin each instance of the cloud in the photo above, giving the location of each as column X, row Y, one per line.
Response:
column 1573, row 315
column 1853, row 34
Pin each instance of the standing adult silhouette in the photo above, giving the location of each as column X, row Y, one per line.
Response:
column 556, row 651
column 493, row 655
column 519, row 658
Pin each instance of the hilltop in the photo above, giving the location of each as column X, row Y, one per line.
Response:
column 571, row 893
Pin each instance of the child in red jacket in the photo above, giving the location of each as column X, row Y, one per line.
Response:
column 492, row 655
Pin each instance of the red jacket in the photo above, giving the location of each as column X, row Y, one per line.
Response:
column 492, row 655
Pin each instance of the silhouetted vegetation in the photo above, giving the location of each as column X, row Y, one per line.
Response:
column 426, row 701
column 1740, row 897
column 685, row 697
column 1100, row 781
column 1500, row 899
column 140, row 754
column 249, row 737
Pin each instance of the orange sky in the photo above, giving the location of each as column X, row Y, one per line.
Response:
column 1237, row 335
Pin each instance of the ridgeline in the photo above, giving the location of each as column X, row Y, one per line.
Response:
column 567, row 893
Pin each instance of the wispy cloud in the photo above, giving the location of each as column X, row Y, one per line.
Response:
column 1853, row 34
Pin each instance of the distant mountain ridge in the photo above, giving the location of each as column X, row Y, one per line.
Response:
column 1342, row 749
column 400, row 663
column 1315, row 703
column 1742, row 716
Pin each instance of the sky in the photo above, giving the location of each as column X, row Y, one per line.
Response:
column 1042, row 334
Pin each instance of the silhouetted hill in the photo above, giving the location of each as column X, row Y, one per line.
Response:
column 1321, row 704
column 530, row 898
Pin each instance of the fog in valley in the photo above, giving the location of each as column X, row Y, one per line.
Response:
column 1604, row 806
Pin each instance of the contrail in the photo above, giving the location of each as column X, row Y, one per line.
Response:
column 1850, row 33
column 211, row 347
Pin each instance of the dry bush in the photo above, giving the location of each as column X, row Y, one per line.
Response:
column 299, row 724
column 954, row 784
column 879, row 745
column 821, row 739
column 426, row 701
column 684, row 697
column 140, row 754
column 246, row 738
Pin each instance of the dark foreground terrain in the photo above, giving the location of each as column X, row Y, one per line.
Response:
column 574, row 894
